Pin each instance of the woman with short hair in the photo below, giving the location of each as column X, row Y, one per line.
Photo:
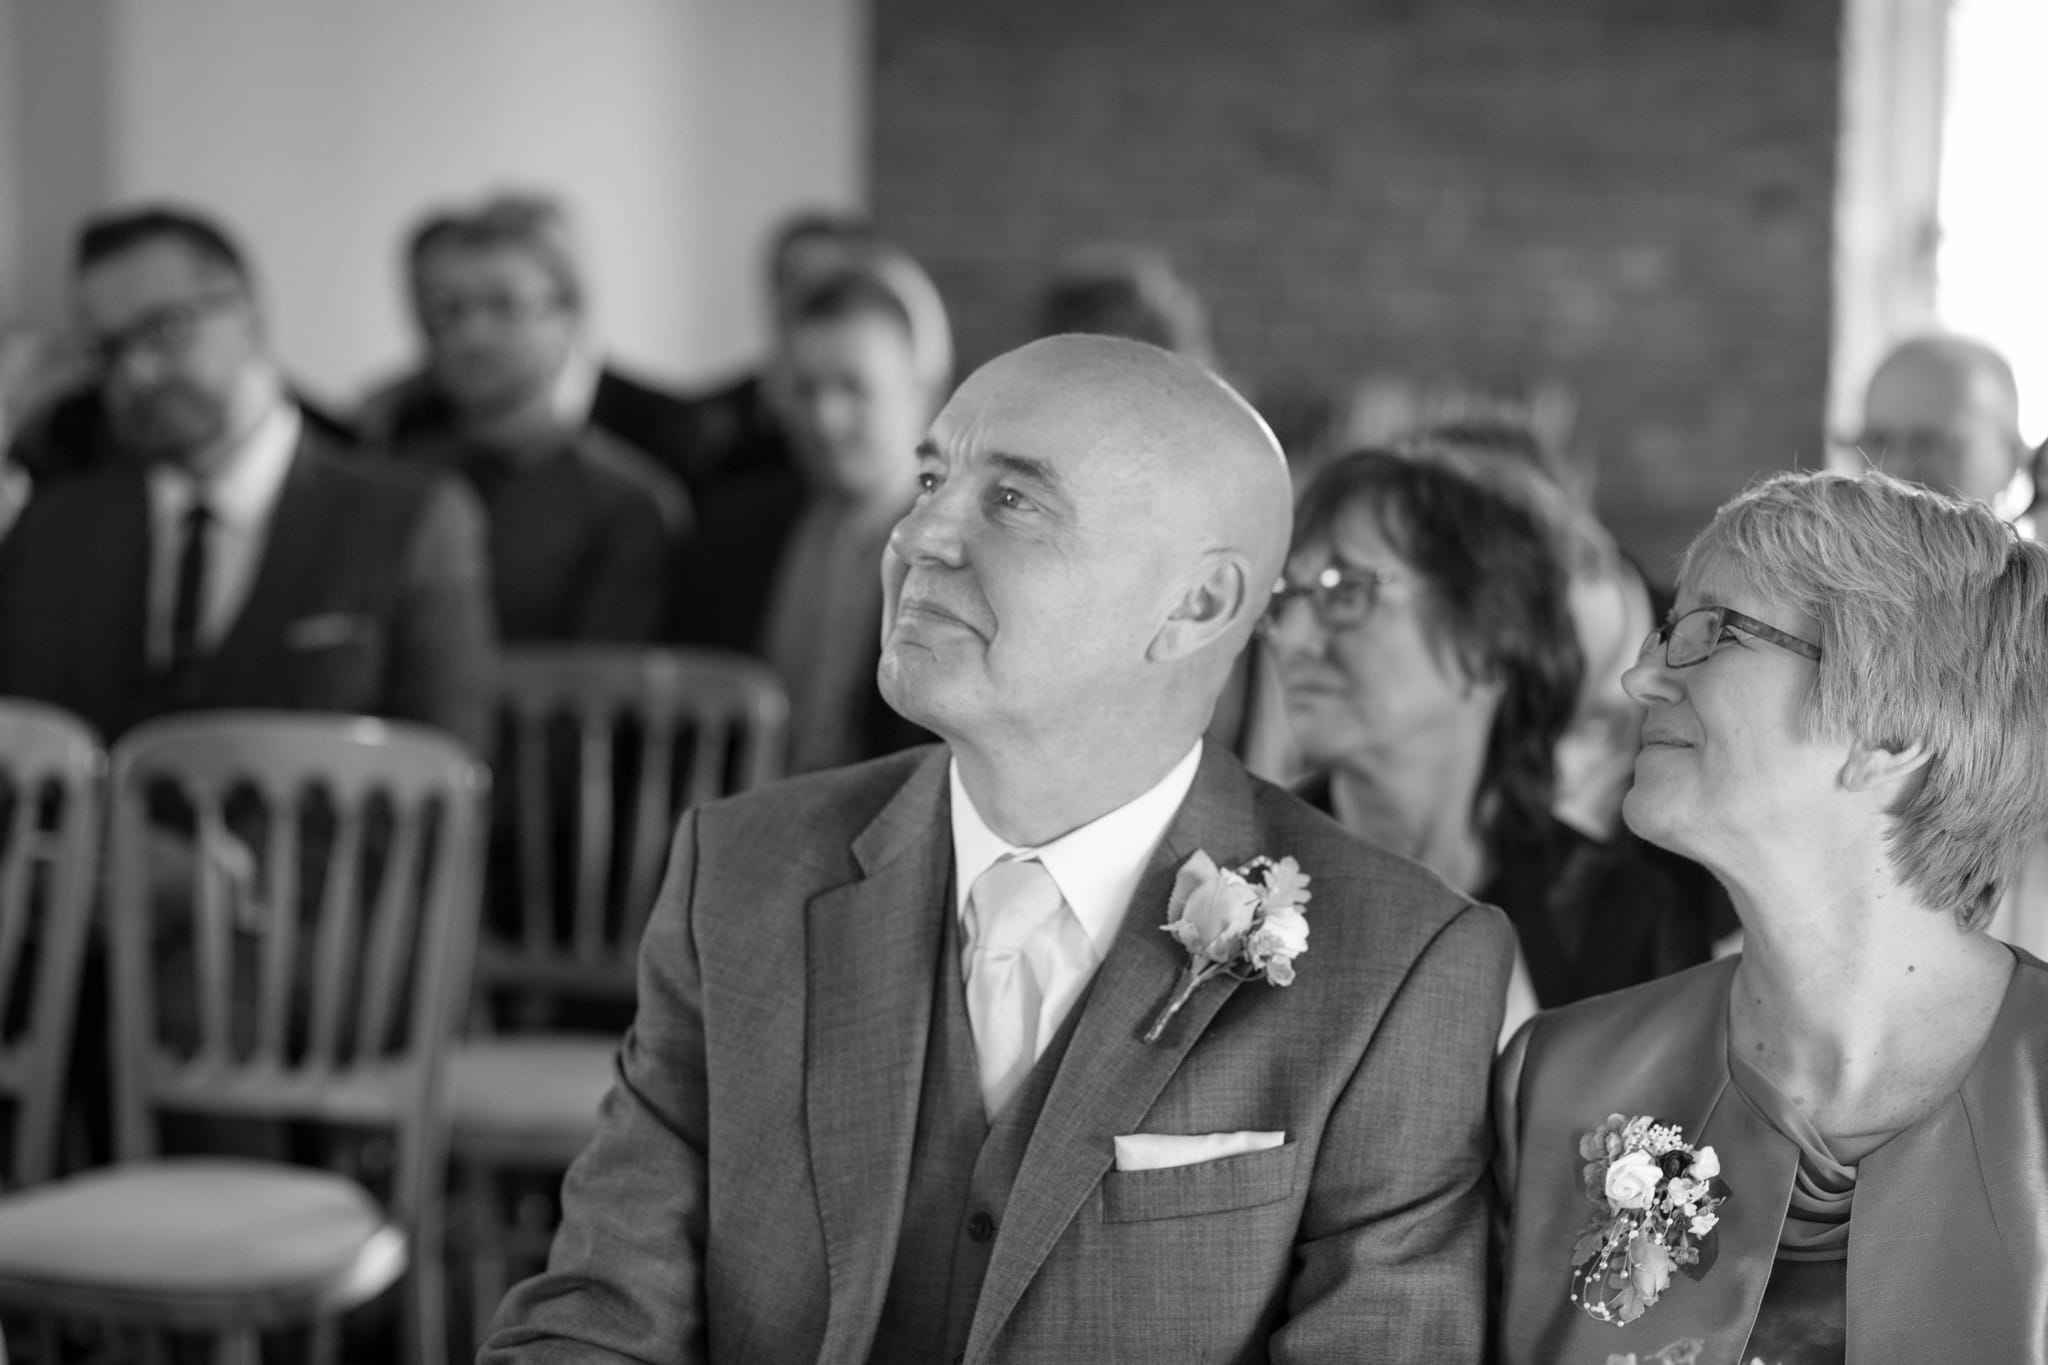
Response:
column 1834, row 1146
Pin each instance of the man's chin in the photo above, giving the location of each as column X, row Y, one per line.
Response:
column 913, row 681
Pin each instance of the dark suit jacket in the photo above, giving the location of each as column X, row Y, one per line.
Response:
column 745, row 1191
column 1948, row 1240
column 729, row 580
column 369, row 597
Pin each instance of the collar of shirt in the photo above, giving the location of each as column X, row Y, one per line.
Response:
column 576, row 388
column 249, row 480
column 1096, row 867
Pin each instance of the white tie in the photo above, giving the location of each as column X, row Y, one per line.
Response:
column 1010, row 904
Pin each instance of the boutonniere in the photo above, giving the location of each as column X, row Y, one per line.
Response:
column 1247, row 922
column 1657, row 1198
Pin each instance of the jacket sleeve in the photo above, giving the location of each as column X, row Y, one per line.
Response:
column 443, row 664
column 1391, row 1262
column 625, row 1277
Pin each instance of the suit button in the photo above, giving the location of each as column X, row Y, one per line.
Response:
column 981, row 1227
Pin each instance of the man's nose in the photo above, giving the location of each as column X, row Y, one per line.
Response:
column 932, row 530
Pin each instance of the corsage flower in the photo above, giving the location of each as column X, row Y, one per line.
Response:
column 1658, row 1201
column 1246, row 923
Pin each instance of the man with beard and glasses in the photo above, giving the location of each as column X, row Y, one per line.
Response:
column 234, row 557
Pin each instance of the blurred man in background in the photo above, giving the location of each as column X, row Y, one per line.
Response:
column 786, row 566
column 585, row 388
column 236, row 560
column 585, row 529
column 1944, row 411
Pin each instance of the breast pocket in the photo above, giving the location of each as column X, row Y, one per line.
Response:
column 1235, row 1182
column 335, row 663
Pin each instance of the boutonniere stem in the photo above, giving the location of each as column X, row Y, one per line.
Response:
column 1244, row 923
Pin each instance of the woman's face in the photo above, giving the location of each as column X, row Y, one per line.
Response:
column 1728, row 768
column 1368, row 693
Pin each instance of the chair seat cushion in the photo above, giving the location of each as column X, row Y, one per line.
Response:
column 204, row 1228
column 538, row 1091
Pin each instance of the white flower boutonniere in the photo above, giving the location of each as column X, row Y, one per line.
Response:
column 1658, row 1199
column 1248, row 922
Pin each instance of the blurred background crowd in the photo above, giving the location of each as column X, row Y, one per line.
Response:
column 346, row 350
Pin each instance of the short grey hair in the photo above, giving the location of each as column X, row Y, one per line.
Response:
column 1934, row 629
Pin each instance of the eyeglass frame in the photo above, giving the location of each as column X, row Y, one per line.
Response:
column 438, row 316
column 1728, row 616
column 1327, row 580
column 164, row 331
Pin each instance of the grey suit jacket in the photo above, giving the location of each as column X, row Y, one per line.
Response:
column 744, row 1193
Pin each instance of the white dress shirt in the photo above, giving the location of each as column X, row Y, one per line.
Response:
column 242, row 492
column 1097, row 868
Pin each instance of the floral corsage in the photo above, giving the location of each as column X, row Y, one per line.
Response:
column 1246, row 923
column 1658, row 1199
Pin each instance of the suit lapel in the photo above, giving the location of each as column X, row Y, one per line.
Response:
column 1109, row 1077
column 871, row 954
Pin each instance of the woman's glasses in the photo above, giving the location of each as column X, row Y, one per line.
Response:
column 1692, row 638
column 1342, row 596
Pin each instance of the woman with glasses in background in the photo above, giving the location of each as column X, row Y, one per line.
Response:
column 1833, row 1147
column 1424, row 639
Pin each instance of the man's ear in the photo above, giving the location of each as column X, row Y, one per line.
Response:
column 1213, row 601
column 1877, row 767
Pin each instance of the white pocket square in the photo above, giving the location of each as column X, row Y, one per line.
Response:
column 324, row 632
column 1160, row 1151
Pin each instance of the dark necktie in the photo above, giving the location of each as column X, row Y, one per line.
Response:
column 191, row 587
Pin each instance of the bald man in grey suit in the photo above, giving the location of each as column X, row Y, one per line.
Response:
column 842, row 1130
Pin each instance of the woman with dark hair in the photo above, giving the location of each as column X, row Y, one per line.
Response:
column 1425, row 641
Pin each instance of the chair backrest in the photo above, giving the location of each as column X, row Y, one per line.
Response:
column 51, row 767
column 689, row 725
column 294, row 905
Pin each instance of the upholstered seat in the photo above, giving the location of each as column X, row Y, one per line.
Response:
column 519, row 1096
column 199, row 1240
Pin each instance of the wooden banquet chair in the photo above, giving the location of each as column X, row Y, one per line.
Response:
column 51, row 766
column 301, row 971
column 601, row 749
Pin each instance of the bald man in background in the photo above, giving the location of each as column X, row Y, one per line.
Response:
column 851, row 1122
column 1943, row 410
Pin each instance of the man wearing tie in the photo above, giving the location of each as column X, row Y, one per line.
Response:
column 904, row 1084
column 241, row 562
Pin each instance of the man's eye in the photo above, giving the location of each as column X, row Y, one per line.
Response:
column 927, row 482
column 1011, row 499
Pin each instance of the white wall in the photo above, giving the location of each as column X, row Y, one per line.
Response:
column 319, row 129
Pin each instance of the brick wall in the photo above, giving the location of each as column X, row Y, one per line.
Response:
column 1627, row 199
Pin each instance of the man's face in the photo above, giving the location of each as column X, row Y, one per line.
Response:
column 498, row 329
column 1023, row 589
column 856, row 404
column 175, row 339
column 1940, row 425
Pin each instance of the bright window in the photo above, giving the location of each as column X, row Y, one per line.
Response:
column 1992, row 264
